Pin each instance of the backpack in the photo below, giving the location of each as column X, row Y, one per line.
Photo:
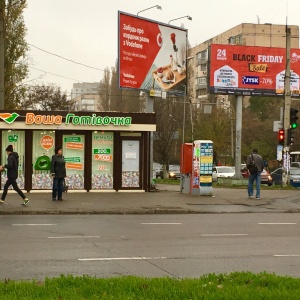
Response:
column 252, row 167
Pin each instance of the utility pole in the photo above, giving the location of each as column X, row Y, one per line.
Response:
column 2, row 9
column 287, row 107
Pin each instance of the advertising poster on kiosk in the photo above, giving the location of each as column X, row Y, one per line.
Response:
column 202, row 167
column 151, row 55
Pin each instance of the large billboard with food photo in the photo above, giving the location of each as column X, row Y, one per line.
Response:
column 151, row 55
column 252, row 71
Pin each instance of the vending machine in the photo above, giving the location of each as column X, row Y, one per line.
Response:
column 201, row 179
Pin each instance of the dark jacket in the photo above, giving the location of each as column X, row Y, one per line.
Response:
column 58, row 166
column 12, row 165
column 257, row 160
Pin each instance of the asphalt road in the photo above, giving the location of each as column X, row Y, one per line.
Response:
column 39, row 246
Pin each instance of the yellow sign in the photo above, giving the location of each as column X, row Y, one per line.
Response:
column 205, row 178
column 206, row 159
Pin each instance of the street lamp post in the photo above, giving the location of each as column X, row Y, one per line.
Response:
column 157, row 6
column 188, row 17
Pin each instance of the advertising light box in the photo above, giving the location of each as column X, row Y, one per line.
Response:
column 151, row 55
column 252, row 71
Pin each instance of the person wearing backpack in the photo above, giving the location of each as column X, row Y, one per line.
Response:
column 255, row 165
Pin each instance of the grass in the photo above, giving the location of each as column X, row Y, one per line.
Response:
column 237, row 285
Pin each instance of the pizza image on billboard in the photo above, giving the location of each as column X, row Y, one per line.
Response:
column 245, row 70
column 151, row 55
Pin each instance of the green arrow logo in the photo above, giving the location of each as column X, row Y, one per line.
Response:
column 8, row 118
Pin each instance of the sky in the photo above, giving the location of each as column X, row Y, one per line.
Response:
column 74, row 40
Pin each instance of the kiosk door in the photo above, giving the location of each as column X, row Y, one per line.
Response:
column 131, row 174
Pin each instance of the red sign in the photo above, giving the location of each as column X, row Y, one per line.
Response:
column 151, row 55
column 247, row 70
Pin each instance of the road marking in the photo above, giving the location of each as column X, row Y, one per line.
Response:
column 33, row 224
column 73, row 237
column 120, row 258
column 161, row 223
column 287, row 255
column 277, row 223
column 223, row 234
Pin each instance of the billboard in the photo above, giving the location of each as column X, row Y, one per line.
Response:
column 252, row 71
column 151, row 55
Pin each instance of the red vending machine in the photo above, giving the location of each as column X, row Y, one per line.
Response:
column 186, row 160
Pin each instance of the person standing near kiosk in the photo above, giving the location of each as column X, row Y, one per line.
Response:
column 58, row 172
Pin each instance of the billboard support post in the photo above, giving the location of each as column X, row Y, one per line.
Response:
column 239, row 112
column 149, row 109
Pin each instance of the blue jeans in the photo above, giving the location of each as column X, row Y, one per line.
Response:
column 58, row 186
column 253, row 177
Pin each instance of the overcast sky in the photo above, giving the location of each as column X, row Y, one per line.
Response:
column 86, row 32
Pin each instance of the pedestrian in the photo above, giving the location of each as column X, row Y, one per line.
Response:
column 255, row 165
column 12, row 167
column 58, row 172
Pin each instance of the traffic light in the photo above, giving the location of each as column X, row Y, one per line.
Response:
column 293, row 118
column 281, row 136
column 290, row 136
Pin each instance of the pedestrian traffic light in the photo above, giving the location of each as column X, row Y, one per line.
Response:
column 293, row 118
column 290, row 136
column 281, row 136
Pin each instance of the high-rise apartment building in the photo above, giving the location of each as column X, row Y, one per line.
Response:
column 86, row 96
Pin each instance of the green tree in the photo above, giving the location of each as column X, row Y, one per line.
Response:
column 104, row 90
column 15, row 65
column 46, row 97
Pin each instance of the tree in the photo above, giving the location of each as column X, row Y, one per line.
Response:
column 165, row 140
column 104, row 91
column 16, row 68
column 46, row 97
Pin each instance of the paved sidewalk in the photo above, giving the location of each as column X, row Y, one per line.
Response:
column 166, row 199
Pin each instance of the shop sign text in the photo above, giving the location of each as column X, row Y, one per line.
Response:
column 71, row 118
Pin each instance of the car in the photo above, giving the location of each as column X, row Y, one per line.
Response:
column 222, row 172
column 294, row 176
column 295, row 164
column 174, row 172
column 157, row 170
column 266, row 178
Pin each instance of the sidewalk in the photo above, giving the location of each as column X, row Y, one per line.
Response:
column 167, row 199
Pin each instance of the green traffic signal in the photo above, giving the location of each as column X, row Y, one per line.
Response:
column 293, row 118
column 294, row 125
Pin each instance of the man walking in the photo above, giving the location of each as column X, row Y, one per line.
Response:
column 12, row 174
column 255, row 165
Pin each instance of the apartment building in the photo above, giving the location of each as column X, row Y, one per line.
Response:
column 86, row 96
column 264, row 35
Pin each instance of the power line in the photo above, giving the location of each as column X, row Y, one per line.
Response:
column 70, row 60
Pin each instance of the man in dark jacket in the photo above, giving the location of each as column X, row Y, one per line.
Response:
column 12, row 167
column 259, row 163
column 58, row 172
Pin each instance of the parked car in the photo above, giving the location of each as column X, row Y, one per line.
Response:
column 294, row 176
column 157, row 170
column 295, row 164
column 266, row 178
column 222, row 171
column 174, row 172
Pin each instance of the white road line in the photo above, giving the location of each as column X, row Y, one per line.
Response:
column 223, row 234
column 287, row 255
column 161, row 223
column 120, row 258
column 33, row 224
column 276, row 223
column 74, row 237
